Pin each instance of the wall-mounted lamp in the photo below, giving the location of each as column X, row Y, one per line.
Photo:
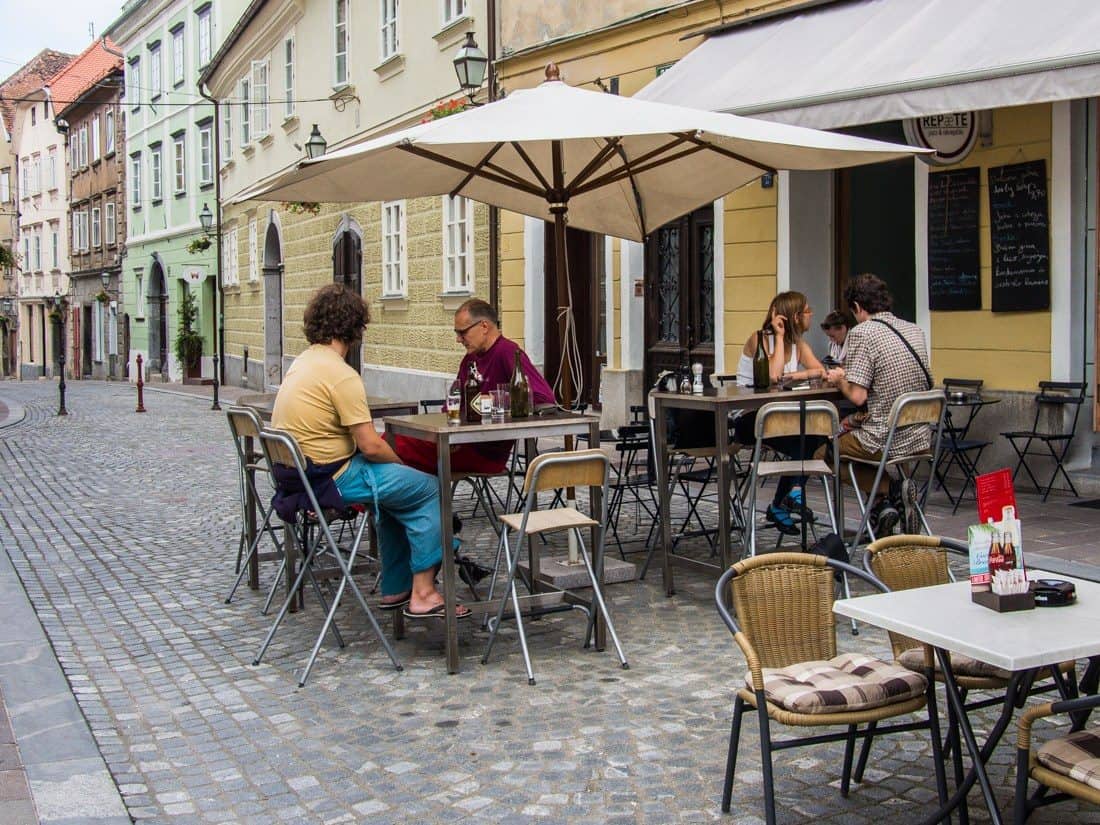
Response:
column 206, row 220
column 985, row 128
column 470, row 66
column 316, row 145
column 62, row 125
column 767, row 180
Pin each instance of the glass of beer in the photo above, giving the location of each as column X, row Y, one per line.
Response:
column 453, row 405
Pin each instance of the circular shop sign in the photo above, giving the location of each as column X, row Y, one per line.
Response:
column 950, row 136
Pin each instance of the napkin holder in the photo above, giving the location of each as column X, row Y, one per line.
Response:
column 1010, row 603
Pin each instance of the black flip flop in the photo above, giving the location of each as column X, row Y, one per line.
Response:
column 437, row 612
column 396, row 605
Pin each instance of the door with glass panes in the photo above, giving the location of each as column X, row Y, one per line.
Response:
column 679, row 304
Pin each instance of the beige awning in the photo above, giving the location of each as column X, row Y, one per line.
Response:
column 864, row 62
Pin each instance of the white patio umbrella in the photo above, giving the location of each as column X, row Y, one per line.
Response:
column 603, row 163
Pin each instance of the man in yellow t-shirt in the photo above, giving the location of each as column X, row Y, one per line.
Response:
column 322, row 402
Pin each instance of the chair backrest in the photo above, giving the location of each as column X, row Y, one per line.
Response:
column 244, row 422
column 579, row 468
column 784, row 418
column 784, row 604
column 918, row 409
column 1052, row 399
column 428, row 405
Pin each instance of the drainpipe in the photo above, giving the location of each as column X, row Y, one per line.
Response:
column 219, row 297
column 494, row 212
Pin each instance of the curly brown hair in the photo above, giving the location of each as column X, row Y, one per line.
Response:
column 335, row 313
column 870, row 292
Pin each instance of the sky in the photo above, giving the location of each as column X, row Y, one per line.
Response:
column 62, row 25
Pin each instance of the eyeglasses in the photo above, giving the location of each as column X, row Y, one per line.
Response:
column 461, row 333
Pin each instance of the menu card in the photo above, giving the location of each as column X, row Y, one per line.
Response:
column 997, row 555
column 995, row 492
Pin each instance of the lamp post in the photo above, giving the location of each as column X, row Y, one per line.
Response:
column 470, row 66
column 7, row 314
column 58, row 305
column 206, row 221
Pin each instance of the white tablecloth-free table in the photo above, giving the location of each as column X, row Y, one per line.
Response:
column 1023, row 642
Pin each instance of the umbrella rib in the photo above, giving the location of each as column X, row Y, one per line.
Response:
column 615, row 175
column 473, row 172
column 597, row 161
column 727, row 153
column 546, row 187
column 505, row 173
column 634, row 170
column 443, row 160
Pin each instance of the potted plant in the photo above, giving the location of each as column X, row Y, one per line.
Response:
column 7, row 259
column 102, row 296
column 198, row 245
column 188, row 339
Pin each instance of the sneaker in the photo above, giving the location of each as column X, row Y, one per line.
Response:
column 885, row 517
column 910, row 508
column 782, row 520
column 793, row 505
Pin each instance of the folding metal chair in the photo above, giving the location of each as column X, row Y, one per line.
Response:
column 1050, row 405
column 910, row 410
column 315, row 539
column 245, row 426
column 553, row 471
column 961, row 450
column 816, row 419
column 634, row 478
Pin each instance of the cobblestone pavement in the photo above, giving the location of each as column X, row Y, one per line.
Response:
column 123, row 528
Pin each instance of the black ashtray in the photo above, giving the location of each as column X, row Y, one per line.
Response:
column 1053, row 592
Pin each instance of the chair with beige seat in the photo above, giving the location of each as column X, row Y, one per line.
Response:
column 550, row 472
column 786, row 630
column 1068, row 764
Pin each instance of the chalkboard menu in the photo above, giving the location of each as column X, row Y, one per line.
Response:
column 953, row 261
column 1020, row 236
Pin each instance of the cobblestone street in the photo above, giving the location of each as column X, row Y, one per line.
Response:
column 123, row 530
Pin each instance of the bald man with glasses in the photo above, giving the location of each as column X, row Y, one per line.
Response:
column 477, row 328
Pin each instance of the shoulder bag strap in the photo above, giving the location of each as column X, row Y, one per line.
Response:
column 908, row 346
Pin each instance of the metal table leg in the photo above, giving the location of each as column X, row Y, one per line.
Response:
column 660, row 448
column 449, row 601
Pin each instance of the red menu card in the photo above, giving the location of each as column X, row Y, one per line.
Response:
column 995, row 492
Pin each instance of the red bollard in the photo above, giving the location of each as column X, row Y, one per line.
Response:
column 140, row 384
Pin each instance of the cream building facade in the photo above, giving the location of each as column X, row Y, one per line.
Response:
column 353, row 69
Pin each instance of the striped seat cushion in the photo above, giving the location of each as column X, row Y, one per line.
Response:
column 1076, row 755
column 849, row 682
column 962, row 665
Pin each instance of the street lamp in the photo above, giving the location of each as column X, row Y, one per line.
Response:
column 316, row 145
column 58, row 304
column 206, row 220
column 470, row 65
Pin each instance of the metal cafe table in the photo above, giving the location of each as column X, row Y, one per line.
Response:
column 1024, row 643
column 433, row 427
column 721, row 402
column 264, row 404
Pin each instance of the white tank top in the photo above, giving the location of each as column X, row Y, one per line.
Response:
column 744, row 365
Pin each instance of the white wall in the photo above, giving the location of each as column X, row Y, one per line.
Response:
column 809, row 198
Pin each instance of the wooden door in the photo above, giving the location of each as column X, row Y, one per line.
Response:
column 679, row 304
column 347, row 269
column 584, row 253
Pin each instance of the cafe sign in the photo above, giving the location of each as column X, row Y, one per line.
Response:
column 194, row 274
column 951, row 137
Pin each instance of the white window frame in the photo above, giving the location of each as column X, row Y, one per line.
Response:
column 109, row 132
column 97, row 331
column 395, row 273
column 84, row 230
column 83, row 137
column 156, row 87
column 97, row 228
column 206, row 154
column 341, row 31
column 253, row 259
column 134, row 181
column 25, row 170
column 227, row 131
column 235, row 256
column 458, row 245
column 26, row 262
column 156, row 174
column 55, row 245
column 74, row 153
column 288, row 76
column 179, row 165
column 51, row 169
column 139, row 288
column 5, row 185
column 179, row 59
column 38, row 250
column 36, row 174
column 95, row 138
column 205, row 36
column 133, row 84
column 453, row 10
column 246, row 104
column 389, row 36
column 259, row 119
column 110, row 227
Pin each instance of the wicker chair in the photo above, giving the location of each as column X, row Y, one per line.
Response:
column 786, row 629
column 1065, row 764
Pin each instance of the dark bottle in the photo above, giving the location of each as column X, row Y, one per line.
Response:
column 471, row 396
column 519, row 390
column 1009, row 552
column 761, row 368
column 996, row 555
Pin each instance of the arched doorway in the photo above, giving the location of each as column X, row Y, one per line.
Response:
column 273, row 306
column 347, row 269
column 157, row 314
